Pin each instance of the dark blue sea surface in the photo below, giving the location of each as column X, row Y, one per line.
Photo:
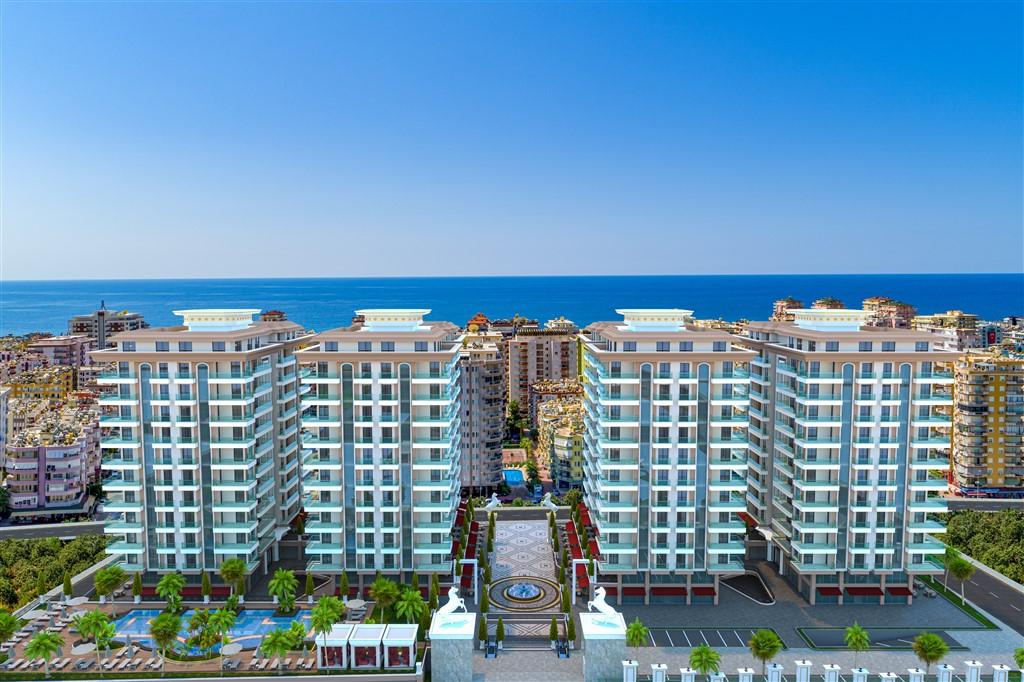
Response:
column 320, row 304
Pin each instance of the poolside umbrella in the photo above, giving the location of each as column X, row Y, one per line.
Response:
column 77, row 601
column 228, row 650
column 83, row 649
column 356, row 603
column 34, row 614
column 131, row 650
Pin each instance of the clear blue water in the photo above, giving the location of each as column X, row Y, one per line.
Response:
column 514, row 476
column 250, row 627
column 320, row 304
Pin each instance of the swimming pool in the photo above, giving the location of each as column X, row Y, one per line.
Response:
column 250, row 626
column 514, row 476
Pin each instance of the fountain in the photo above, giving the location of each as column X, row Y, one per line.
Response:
column 523, row 592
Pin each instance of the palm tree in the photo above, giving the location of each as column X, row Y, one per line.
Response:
column 704, row 659
column 1018, row 657
column 276, row 644
column 283, row 585
column 764, row 646
column 93, row 625
column 951, row 556
column 636, row 634
column 327, row 612
column 962, row 570
column 164, row 629
column 410, row 606
column 385, row 593
column 857, row 640
column 107, row 580
column 233, row 572
column 44, row 645
column 930, row 648
column 221, row 621
column 9, row 625
column 169, row 588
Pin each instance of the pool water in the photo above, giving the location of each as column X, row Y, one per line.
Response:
column 514, row 477
column 250, row 626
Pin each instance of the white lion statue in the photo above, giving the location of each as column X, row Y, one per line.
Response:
column 454, row 603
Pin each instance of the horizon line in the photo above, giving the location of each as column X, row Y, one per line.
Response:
column 562, row 276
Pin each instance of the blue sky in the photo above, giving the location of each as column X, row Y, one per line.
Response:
column 196, row 140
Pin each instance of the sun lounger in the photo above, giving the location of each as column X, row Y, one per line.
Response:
column 273, row 664
column 286, row 663
column 299, row 662
column 57, row 665
column 38, row 663
column 108, row 664
column 12, row 664
column 122, row 664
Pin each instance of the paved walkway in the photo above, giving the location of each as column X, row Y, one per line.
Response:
column 521, row 548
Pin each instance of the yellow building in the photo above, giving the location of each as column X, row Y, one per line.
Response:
column 43, row 383
column 560, row 439
column 989, row 422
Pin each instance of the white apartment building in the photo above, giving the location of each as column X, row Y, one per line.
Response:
column 665, row 413
column 200, row 441
column 535, row 355
column 482, row 405
column 381, row 422
column 850, row 441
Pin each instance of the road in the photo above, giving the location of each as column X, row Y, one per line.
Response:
column 51, row 530
column 995, row 597
column 983, row 504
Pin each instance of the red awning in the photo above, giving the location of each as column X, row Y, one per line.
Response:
column 595, row 551
column 585, row 518
column 899, row 591
column 671, row 591
column 864, row 591
column 704, row 591
column 827, row 591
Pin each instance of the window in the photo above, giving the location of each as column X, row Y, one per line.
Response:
column 387, row 346
column 364, row 346
column 420, row 347
column 662, row 346
column 865, row 346
column 921, row 346
column 720, row 347
column 218, row 346
column 128, row 346
column 629, row 346
column 686, row 346
column 831, row 346
column 888, row 346
column 162, row 346
column 331, row 346
column 184, row 346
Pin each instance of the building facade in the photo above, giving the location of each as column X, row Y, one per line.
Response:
column 890, row 313
column 665, row 414
column 988, row 457
column 560, row 440
column 43, row 383
column 534, row 355
column 482, row 405
column 382, row 426
column 850, row 440
column 957, row 330
column 200, row 441
column 545, row 391
column 102, row 324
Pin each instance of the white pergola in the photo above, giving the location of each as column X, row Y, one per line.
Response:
column 337, row 642
column 365, row 636
column 400, row 636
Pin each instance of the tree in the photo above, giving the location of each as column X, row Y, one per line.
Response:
column 44, row 645
column 929, row 649
column 570, row 629
column 705, row 660
column 137, row 585
column 221, row 621
column 205, row 588
column 566, row 607
column 499, row 631
column 481, row 631
column 233, row 572
column 93, row 625
column 1018, row 657
column 432, row 600
column 410, row 605
column 9, row 625
column 764, row 646
column 276, row 644
column 385, row 593
column 343, row 586
column 636, row 634
column 107, row 580
column 169, row 588
column 296, row 635
column 164, row 629
column 283, row 585
column 40, row 584
column 857, row 640
column 948, row 559
column 487, row 574
column 201, row 632
column 424, row 628
column 327, row 612
column 485, row 601
column 553, row 630
column 309, row 585
column 69, row 590
column 962, row 570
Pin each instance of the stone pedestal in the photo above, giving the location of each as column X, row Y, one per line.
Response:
column 774, row 671
column 746, row 674
column 604, row 646
column 803, row 671
column 659, row 672
column 944, row 672
column 831, row 672
column 973, row 671
column 915, row 674
column 451, row 644
column 1000, row 673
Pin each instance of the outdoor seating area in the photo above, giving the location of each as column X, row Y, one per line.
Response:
column 368, row 647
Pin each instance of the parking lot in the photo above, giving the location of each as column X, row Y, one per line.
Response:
column 881, row 638
column 691, row 637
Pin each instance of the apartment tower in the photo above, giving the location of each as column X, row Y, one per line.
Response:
column 536, row 355
column 482, row 404
column 200, row 441
column 382, row 477
column 665, row 414
column 849, row 443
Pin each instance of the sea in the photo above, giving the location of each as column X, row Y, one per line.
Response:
column 319, row 304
